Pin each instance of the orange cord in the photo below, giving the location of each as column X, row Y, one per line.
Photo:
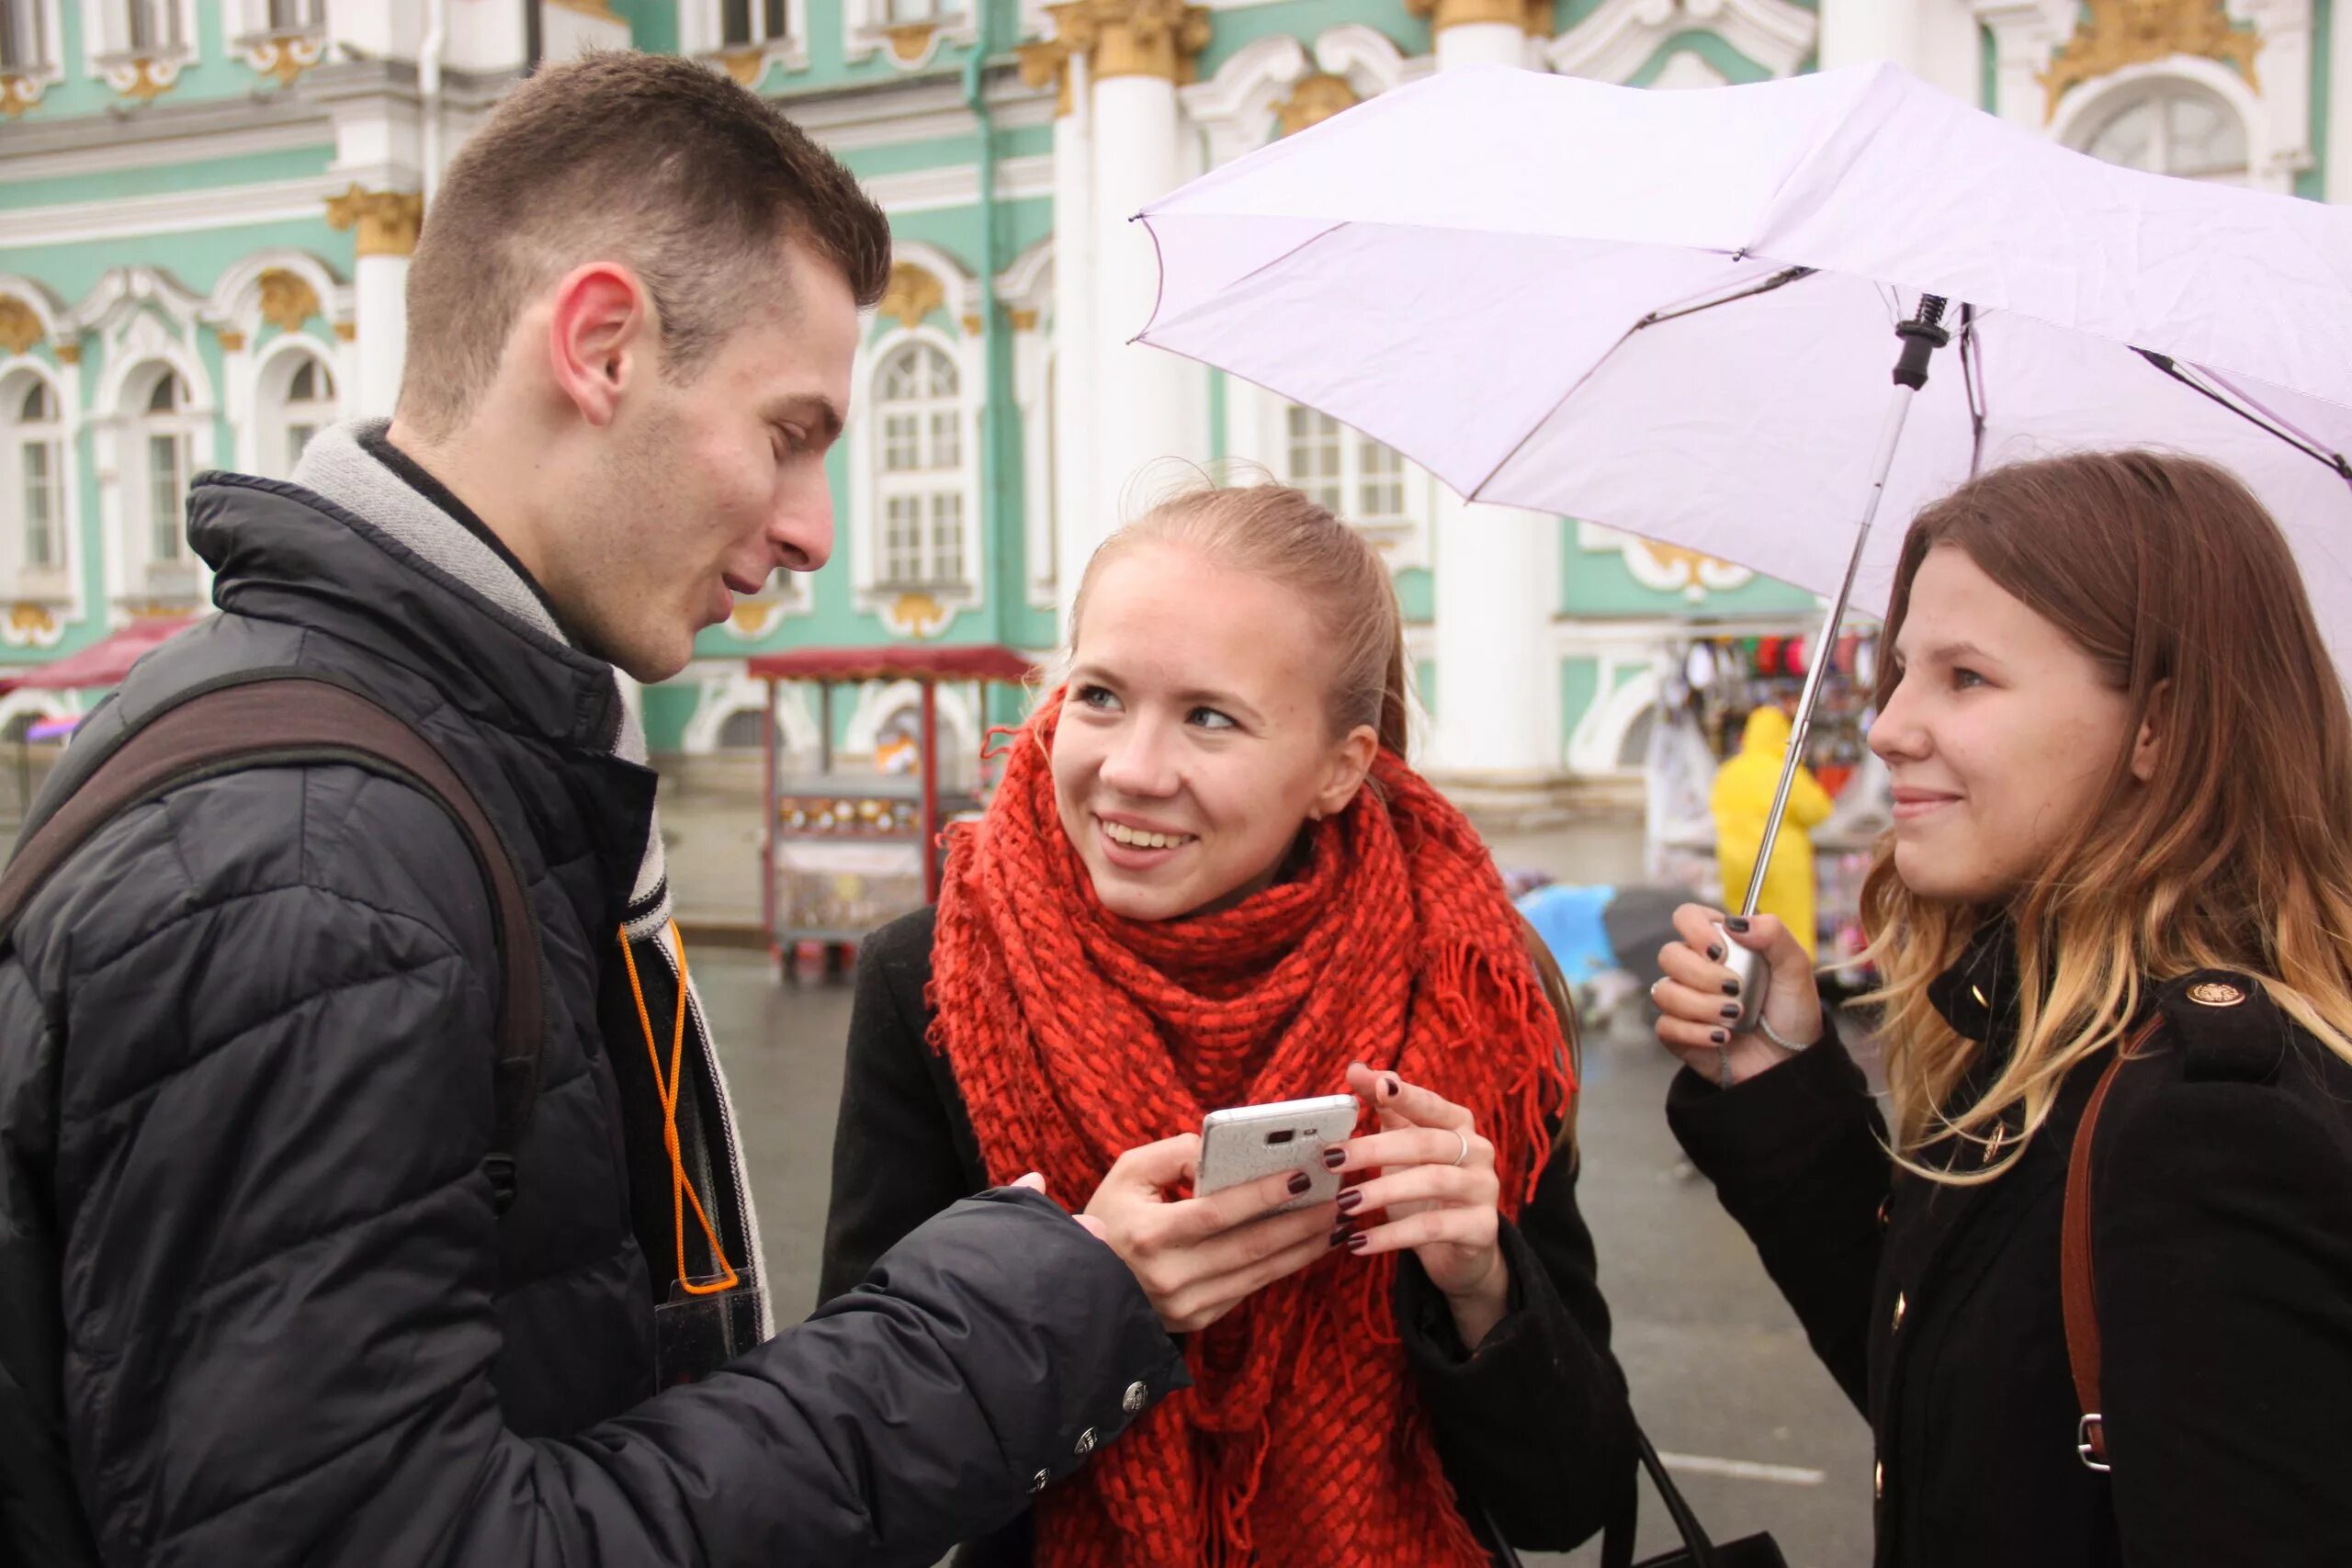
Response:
column 682, row 1190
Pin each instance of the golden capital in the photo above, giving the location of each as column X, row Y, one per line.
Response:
column 1044, row 61
column 18, row 93
column 1532, row 17
column 346, row 332
column 232, row 340
column 69, row 354
column 1134, row 38
column 2118, row 33
column 913, row 294
column 387, row 220
column 1315, row 99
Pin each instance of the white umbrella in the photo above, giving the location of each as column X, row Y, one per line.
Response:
column 1676, row 313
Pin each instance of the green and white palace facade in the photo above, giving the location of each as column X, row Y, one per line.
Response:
column 207, row 208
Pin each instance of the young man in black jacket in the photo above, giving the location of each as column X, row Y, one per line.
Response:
column 296, row 1326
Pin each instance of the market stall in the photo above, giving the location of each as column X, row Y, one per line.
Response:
column 845, row 851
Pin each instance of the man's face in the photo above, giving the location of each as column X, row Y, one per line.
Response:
column 701, row 491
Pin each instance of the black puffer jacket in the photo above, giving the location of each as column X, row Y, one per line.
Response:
column 295, row 1329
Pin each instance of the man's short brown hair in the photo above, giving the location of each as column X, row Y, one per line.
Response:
column 650, row 160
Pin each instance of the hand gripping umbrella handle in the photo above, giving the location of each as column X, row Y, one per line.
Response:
column 1921, row 336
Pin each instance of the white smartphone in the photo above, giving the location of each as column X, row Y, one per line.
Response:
column 1249, row 1141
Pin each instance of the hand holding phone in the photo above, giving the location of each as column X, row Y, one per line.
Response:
column 1250, row 1141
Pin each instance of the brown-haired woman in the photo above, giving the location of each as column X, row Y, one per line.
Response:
column 1211, row 880
column 2123, row 794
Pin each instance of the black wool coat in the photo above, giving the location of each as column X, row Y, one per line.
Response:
column 2221, row 1246
column 1533, row 1428
column 246, row 1096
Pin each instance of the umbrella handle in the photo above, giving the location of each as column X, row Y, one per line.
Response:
column 1921, row 336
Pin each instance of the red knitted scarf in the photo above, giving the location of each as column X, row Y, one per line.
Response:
column 1076, row 1034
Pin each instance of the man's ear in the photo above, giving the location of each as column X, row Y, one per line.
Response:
column 600, row 334
column 2147, row 746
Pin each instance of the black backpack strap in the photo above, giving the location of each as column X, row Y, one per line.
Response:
column 284, row 718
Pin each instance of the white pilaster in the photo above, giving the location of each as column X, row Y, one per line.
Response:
column 2339, row 119
column 1857, row 32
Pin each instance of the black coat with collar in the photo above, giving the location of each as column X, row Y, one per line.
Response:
column 2221, row 1237
column 1533, row 1429
column 249, row 1258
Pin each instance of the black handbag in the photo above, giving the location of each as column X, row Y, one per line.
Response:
column 1698, row 1552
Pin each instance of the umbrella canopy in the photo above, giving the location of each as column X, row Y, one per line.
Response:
column 104, row 663
column 929, row 662
column 1678, row 319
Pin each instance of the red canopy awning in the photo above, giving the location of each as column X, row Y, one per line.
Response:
column 927, row 661
column 104, row 663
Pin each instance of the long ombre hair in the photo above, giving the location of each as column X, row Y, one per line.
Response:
column 2236, row 854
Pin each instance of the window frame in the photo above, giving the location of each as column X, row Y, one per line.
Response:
column 702, row 33
column 172, row 571
column 49, row 581
column 926, row 485
column 2159, row 92
column 872, row 590
column 1390, row 531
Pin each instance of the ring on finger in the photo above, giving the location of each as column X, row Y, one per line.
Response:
column 1465, row 1146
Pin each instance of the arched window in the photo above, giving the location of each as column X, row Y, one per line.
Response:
column 924, row 470
column 36, row 473
column 304, row 405
column 161, row 435
column 1357, row 479
column 2168, row 126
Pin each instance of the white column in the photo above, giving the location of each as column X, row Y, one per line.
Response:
column 1149, row 404
column 387, row 224
column 1496, row 583
column 1075, row 509
column 1856, row 32
column 380, row 308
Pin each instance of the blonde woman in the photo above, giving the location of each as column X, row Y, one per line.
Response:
column 2122, row 776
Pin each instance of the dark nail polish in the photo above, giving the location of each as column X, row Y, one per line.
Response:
column 1736, row 923
column 1731, row 1011
column 1358, row 1241
column 1731, row 988
column 1300, row 1183
column 1334, row 1158
column 1350, row 1201
column 1720, row 1038
column 1392, row 1086
column 1342, row 1234
column 1714, row 954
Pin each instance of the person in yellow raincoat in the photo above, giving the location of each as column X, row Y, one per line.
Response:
column 1742, row 799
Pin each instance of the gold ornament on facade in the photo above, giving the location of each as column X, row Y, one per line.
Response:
column 602, row 10
column 916, row 614
column 912, row 295
column 1532, row 17
column 1315, row 100
column 1023, row 321
column 286, row 56
column 2118, row 33
column 1044, row 61
column 754, row 618
column 69, row 354
column 19, row 324
column 30, row 624
column 231, row 341
column 346, row 332
column 17, row 94
column 1135, row 38
column 971, row 323
column 910, row 41
column 746, row 65
column 387, row 220
column 148, row 81
column 286, row 299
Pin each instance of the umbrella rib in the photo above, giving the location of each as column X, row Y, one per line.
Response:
column 2171, row 368
column 1777, row 280
column 1160, row 290
column 1972, row 380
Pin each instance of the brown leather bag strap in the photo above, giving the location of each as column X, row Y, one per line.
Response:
column 2078, row 1290
column 281, row 719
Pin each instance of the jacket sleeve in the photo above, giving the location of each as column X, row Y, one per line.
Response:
column 1534, row 1425
column 280, row 1254
column 2222, row 1255
column 1797, row 1158
column 895, row 1157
